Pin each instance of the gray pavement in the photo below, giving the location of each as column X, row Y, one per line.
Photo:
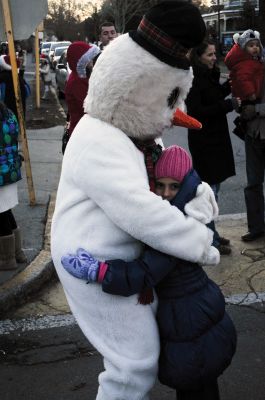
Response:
column 59, row 363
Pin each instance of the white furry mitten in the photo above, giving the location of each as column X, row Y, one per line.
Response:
column 211, row 257
column 203, row 207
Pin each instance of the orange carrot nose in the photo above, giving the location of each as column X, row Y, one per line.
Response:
column 182, row 119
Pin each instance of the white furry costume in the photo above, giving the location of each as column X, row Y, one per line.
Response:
column 104, row 205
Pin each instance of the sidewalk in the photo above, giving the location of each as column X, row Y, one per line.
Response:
column 34, row 221
column 241, row 275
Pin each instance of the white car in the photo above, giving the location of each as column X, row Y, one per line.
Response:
column 53, row 47
column 62, row 72
column 57, row 54
column 45, row 47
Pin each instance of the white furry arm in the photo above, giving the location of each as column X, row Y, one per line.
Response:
column 112, row 173
column 212, row 257
column 203, row 207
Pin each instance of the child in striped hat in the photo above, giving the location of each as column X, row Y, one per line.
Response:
column 198, row 339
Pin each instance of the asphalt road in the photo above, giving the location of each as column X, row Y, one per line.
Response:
column 59, row 364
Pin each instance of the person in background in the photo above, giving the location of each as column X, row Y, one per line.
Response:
column 244, row 61
column 107, row 34
column 22, row 56
column 254, row 116
column 46, row 77
column 7, row 87
column 81, row 57
column 4, row 48
column 10, row 236
column 211, row 147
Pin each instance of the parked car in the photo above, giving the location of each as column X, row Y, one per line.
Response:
column 45, row 48
column 62, row 72
column 56, row 56
column 53, row 47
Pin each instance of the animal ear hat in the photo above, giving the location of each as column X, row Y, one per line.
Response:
column 246, row 37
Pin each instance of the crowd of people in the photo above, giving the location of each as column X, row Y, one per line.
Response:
column 137, row 220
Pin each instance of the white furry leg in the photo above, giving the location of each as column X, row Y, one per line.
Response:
column 123, row 331
column 116, row 384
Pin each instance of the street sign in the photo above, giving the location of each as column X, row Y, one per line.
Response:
column 26, row 16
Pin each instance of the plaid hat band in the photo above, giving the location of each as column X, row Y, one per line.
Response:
column 159, row 38
column 168, row 30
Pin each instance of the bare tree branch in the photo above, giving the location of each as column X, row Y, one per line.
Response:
column 123, row 11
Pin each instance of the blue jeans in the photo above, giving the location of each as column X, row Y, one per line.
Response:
column 254, row 197
column 211, row 225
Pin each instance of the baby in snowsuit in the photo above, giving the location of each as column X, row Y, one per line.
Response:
column 198, row 339
column 244, row 61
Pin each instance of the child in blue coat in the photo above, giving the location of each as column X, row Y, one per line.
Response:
column 198, row 339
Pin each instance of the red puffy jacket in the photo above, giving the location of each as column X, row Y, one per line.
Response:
column 246, row 74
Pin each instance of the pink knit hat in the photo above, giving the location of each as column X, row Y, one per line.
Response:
column 174, row 163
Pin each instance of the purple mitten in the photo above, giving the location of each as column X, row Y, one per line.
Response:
column 81, row 265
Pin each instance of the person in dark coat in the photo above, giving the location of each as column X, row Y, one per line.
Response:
column 7, row 88
column 198, row 339
column 211, row 147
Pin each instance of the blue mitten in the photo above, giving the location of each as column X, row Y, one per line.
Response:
column 81, row 265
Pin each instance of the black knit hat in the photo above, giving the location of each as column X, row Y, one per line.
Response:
column 169, row 29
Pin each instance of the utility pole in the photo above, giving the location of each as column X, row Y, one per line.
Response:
column 219, row 28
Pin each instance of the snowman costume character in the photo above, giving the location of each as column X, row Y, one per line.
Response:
column 104, row 203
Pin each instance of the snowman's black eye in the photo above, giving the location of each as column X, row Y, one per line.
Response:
column 172, row 98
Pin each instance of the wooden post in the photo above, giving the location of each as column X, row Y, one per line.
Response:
column 21, row 121
column 37, row 69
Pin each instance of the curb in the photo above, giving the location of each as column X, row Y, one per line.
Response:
column 60, row 108
column 16, row 291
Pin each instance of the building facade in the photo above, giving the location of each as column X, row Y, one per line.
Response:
column 227, row 20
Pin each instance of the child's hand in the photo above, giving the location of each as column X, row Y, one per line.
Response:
column 81, row 265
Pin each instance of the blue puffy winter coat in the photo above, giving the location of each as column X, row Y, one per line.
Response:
column 198, row 339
